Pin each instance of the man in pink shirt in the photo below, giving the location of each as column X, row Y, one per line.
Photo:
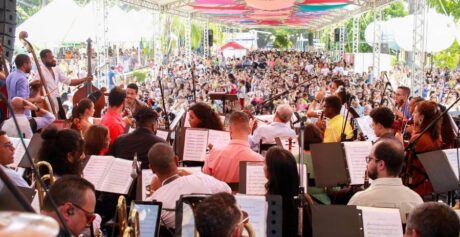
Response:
column 112, row 119
column 224, row 163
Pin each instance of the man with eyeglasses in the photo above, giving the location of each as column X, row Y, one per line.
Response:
column 219, row 215
column 6, row 158
column 75, row 199
column 387, row 190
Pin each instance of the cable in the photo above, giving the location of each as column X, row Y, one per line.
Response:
column 34, row 168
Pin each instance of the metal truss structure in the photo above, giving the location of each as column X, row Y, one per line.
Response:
column 205, row 40
column 341, row 41
column 188, row 38
column 418, row 47
column 355, row 34
column 377, row 42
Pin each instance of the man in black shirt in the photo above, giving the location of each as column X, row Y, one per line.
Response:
column 140, row 140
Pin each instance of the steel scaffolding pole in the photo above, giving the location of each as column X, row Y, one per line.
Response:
column 206, row 39
column 355, row 34
column 341, row 41
column 158, row 23
column 418, row 47
column 376, row 45
column 101, row 40
column 188, row 38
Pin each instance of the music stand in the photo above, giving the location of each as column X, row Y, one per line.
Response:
column 329, row 164
column 347, row 221
column 34, row 147
column 223, row 97
column 440, row 172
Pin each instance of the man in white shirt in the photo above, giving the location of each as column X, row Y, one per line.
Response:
column 28, row 126
column 6, row 158
column 53, row 76
column 170, row 183
column 278, row 128
column 383, row 166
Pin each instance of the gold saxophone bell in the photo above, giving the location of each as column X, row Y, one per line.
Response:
column 134, row 222
column 48, row 178
column 128, row 232
column 122, row 215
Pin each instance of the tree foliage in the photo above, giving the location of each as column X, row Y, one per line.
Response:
column 449, row 57
column 282, row 39
column 452, row 7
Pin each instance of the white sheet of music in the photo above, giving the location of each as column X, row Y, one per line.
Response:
column 365, row 124
column 147, row 176
column 118, row 178
column 451, row 155
column 218, row 139
column 96, row 169
column 381, row 222
column 356, row 153
column 177, row 119
column 162, row 134
column 196, row 141
column 255, row 178
column 256, row 207
column 19, row 150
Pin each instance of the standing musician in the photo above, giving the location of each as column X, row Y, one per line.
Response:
column 52, row 76
column 402, row 103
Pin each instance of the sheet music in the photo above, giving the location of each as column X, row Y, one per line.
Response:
column 196, row 141
column 381, row 222
column 365, row 124
column 147, row 176
column 255, row 178
column 294, row 145
column 19, row 150
column 257, row 208
column 163, row 134
column 356, row 153
column 118, row 178
column 451, row 155
column 186, row 122
column 218, row 139
column 96, row 168
column 176, row 120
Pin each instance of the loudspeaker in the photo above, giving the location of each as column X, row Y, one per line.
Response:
column 310, row 39
column 336, row 35
column 7, row 26
column 210, row 37
column 384, row 48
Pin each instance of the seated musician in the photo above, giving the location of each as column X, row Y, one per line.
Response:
column 432, row 219
column 28, row 126
column 283, row 179
column 6, row 158
column 202, row 115
column 424, row 113
column 140, row 140
column 219, row 215
column 170, row 183
column 97, row 139
column 75, row 199
column 82, row 115
column 278, row 128
column 384, row 164
column 113, row 118
column 382, row 122
column 63, row 149
column 132, row 103
column 224, row 163
column 332, row 129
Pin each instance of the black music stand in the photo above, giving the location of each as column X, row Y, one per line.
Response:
column 439, row 171
column 329, row 164
column 337, row 220
column 223, row 97
column 33, row 148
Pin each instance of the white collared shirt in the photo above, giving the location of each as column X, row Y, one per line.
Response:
column 268, row 133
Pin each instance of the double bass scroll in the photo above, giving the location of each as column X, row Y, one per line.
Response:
column 23, row 37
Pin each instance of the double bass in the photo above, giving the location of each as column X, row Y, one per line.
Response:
column 4, row 68
column 89, row 90
column 38, row 91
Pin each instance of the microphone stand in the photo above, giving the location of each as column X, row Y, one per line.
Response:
column 193, row 83
column 279, row 95
column 410, row 149
column 35, row 170
column 343, row 136
column 301, row 202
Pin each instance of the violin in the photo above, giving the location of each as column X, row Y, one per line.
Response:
column 89, row 90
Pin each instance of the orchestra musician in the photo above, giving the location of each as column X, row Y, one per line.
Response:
column 382, row 122
column 53, row 77
column 132, row 103
column 401, row 99
column 332, row 129
column 202, row 115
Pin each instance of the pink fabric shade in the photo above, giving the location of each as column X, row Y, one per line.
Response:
column 270, row 5
column 322, row 1
column 221, row 7
column 271, row 13
column 216, row 2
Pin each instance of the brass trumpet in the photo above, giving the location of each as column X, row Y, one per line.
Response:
column 47, row 178
column 122, row 215
column 134, row 222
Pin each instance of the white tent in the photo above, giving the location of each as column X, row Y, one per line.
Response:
column 51, row 24
column 121, row 27
column 84, row 26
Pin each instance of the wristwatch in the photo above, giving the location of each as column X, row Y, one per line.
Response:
column 38, row 109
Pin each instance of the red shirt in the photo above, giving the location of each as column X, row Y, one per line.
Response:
column 114, row 122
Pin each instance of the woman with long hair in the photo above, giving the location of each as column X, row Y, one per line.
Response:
column 97, row 140
column 283, row 179
column 202, row 115
column 82, row 116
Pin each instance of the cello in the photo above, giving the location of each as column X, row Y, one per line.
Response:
column 36, row 92
column 4, row 68
column 89, row 90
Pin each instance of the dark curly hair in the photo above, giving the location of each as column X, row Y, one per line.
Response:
column 55, row 147
column 208, row 117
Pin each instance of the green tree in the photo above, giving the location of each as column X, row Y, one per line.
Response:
column 452, row 8
column 282, row 40
column 449, row 57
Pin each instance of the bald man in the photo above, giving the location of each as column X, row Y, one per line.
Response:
column 27, row 125
column 278, row 128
